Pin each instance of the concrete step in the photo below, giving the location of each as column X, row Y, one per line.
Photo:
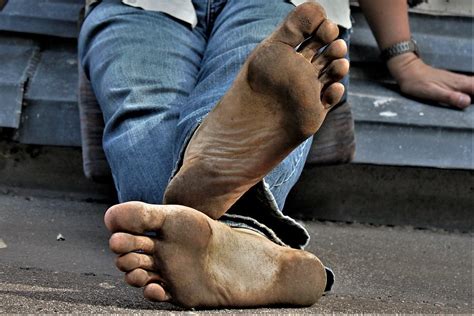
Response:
column 40, row 93
column 384, row 195
column 46, row 17
column 390, row 128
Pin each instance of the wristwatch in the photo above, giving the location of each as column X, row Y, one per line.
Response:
column 400, row 48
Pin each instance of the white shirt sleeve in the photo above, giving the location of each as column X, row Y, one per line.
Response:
column 180, row 9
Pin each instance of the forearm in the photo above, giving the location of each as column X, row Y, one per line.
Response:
column 388, row 20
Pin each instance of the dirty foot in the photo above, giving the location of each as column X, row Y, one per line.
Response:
column 280, row 98
column 194, row 261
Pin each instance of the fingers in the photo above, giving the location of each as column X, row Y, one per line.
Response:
column 437, row 93
column 445, row 87
column 449, row 97
column 462, row 83
column 455, row 91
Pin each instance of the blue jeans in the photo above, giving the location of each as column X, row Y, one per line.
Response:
column 156, row 79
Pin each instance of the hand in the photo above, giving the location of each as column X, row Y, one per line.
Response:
column 420, row 80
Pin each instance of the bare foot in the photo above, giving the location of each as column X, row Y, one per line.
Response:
column 280, row 98
column 195, row 261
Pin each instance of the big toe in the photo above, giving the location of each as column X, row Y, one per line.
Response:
column 122, row 243
column 135, row 217
column 305, row 21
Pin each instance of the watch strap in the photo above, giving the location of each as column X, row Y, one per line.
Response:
column 400, row 48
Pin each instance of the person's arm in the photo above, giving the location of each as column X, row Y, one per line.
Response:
column 388, row 20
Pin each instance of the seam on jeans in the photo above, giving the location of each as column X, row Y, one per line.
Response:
column 187, row 139
column 198, row 113
column 294, row 168
column 208, row 13
column 180, row 158
column 268, row 196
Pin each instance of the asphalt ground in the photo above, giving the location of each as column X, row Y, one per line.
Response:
column 379, row 269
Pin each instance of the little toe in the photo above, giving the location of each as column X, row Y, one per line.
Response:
column 135, row 217
column 122, row 243
column 140, row 277
column 335, row 71
column 132, row 261
column 327, row 32
column 300, row 24
column 332, row 95
column 335, row 50
column 155, row 292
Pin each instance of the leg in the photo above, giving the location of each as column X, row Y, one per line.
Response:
column 142, row 66
column 193, row 260
column 278, row 100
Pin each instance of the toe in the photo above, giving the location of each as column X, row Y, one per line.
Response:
column 335, row 71
column 135, row 217
column 335, row 50
column 122, row 243
column 155, row 292
column 300, row 24
column 325, row 34
column 140, row 277
column 132, row 261
column 332, row 95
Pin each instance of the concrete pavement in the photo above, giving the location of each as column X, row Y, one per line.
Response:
column 378, row 269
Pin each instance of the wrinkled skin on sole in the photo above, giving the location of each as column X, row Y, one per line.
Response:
column 279, row 99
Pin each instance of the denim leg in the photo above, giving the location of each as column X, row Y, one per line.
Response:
column 143, row 66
